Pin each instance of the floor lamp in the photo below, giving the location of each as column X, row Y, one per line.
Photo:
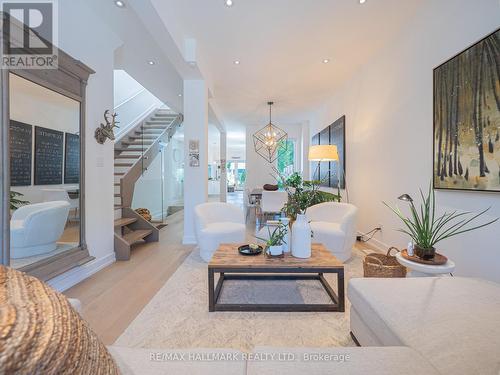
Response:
column 323, row 153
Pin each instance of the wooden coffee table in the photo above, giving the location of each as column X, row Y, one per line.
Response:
column 233, row 266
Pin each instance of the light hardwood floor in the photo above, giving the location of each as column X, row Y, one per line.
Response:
column 114, row 296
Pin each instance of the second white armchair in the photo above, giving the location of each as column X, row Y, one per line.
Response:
column 217, row 223
column 334, row 225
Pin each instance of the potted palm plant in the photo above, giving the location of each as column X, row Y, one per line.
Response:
column 426, row 229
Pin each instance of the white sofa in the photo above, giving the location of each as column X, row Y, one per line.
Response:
column 412, row 326
column 272, row 361
column 217, row 223
column 35, row 228
column 453, row 322
column 334, row 225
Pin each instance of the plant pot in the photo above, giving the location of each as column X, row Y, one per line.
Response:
column 275, row 250
column 422, row 253
column 301, row 238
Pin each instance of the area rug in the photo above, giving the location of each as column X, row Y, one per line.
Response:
column 177, row 317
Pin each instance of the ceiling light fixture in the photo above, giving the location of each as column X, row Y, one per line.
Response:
column 268, row 141
column 180, row 95
column 326, row 61
column 151, row 62
column 362, row 1
column 236, row 62
column 229, row 3
column 119, row 4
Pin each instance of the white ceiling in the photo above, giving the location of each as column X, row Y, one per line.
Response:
column 281, row 45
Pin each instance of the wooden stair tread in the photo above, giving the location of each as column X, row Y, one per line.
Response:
column 130, row 149
column 127, row 157
column 139, row 143
column 140, row 137
column 124, row 221
column 123, row 164
column 118, row 195
column 137, row 235
column 119, row 174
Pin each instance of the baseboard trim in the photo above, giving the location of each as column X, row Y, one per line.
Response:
column 377, row 244
column 80, row 273
column 189, row 240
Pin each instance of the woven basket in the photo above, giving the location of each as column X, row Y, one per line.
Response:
column 380, row 265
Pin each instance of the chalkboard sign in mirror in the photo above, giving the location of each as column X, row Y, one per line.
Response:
column 48, row 156
column 21, row 153
column 72, row 159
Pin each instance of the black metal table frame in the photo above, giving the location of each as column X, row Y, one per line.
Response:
column 292, row 273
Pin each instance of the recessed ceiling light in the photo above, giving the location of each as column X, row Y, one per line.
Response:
column 326, row 61
column 236, row 62
column 229, row 3
column 119, row 4
column 180, row 95
column 362, row 1
column 151, row 62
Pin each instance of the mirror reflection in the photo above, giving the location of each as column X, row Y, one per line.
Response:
column 44, row 172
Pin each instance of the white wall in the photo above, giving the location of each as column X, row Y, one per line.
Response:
column 132, row 101
column 195, row 129
column 389, row 116
column 85, row 37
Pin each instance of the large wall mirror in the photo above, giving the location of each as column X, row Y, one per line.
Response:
column 42, row 171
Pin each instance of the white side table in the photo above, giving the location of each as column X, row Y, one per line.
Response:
column 426, row 270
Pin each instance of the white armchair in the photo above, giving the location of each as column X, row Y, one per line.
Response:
column 51, row 195
column 217, row 223
column 35, row 228
column 334, row 225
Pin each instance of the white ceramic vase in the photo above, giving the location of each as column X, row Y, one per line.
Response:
column 301, row 237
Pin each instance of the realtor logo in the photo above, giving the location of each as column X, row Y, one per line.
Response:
column 29, row 32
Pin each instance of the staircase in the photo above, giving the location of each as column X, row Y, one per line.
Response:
column 133, row 154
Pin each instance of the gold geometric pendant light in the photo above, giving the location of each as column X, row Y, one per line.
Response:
column 268, row 140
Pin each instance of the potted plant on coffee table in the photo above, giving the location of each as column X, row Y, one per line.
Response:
column 276, row 240
column 426, row 229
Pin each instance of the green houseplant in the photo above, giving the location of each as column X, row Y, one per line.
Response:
column 303, row 194
column 426, row 229
column 276, row 240
column 15, row 201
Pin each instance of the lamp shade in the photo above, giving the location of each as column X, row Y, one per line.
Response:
column 323, row 153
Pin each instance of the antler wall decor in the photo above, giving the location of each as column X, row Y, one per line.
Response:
column 106, row 130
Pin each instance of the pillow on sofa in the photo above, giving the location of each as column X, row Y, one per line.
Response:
column 269, row 187
column 40, row 333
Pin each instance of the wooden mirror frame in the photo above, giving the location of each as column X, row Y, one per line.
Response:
column 70, row 80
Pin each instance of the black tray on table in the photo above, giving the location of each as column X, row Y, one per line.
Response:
column 247, row 250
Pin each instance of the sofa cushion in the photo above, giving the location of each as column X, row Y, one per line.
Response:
column 453, row 322
column 338, row 361
column 138, row 361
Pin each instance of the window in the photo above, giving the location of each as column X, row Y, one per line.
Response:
column 286, row 157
